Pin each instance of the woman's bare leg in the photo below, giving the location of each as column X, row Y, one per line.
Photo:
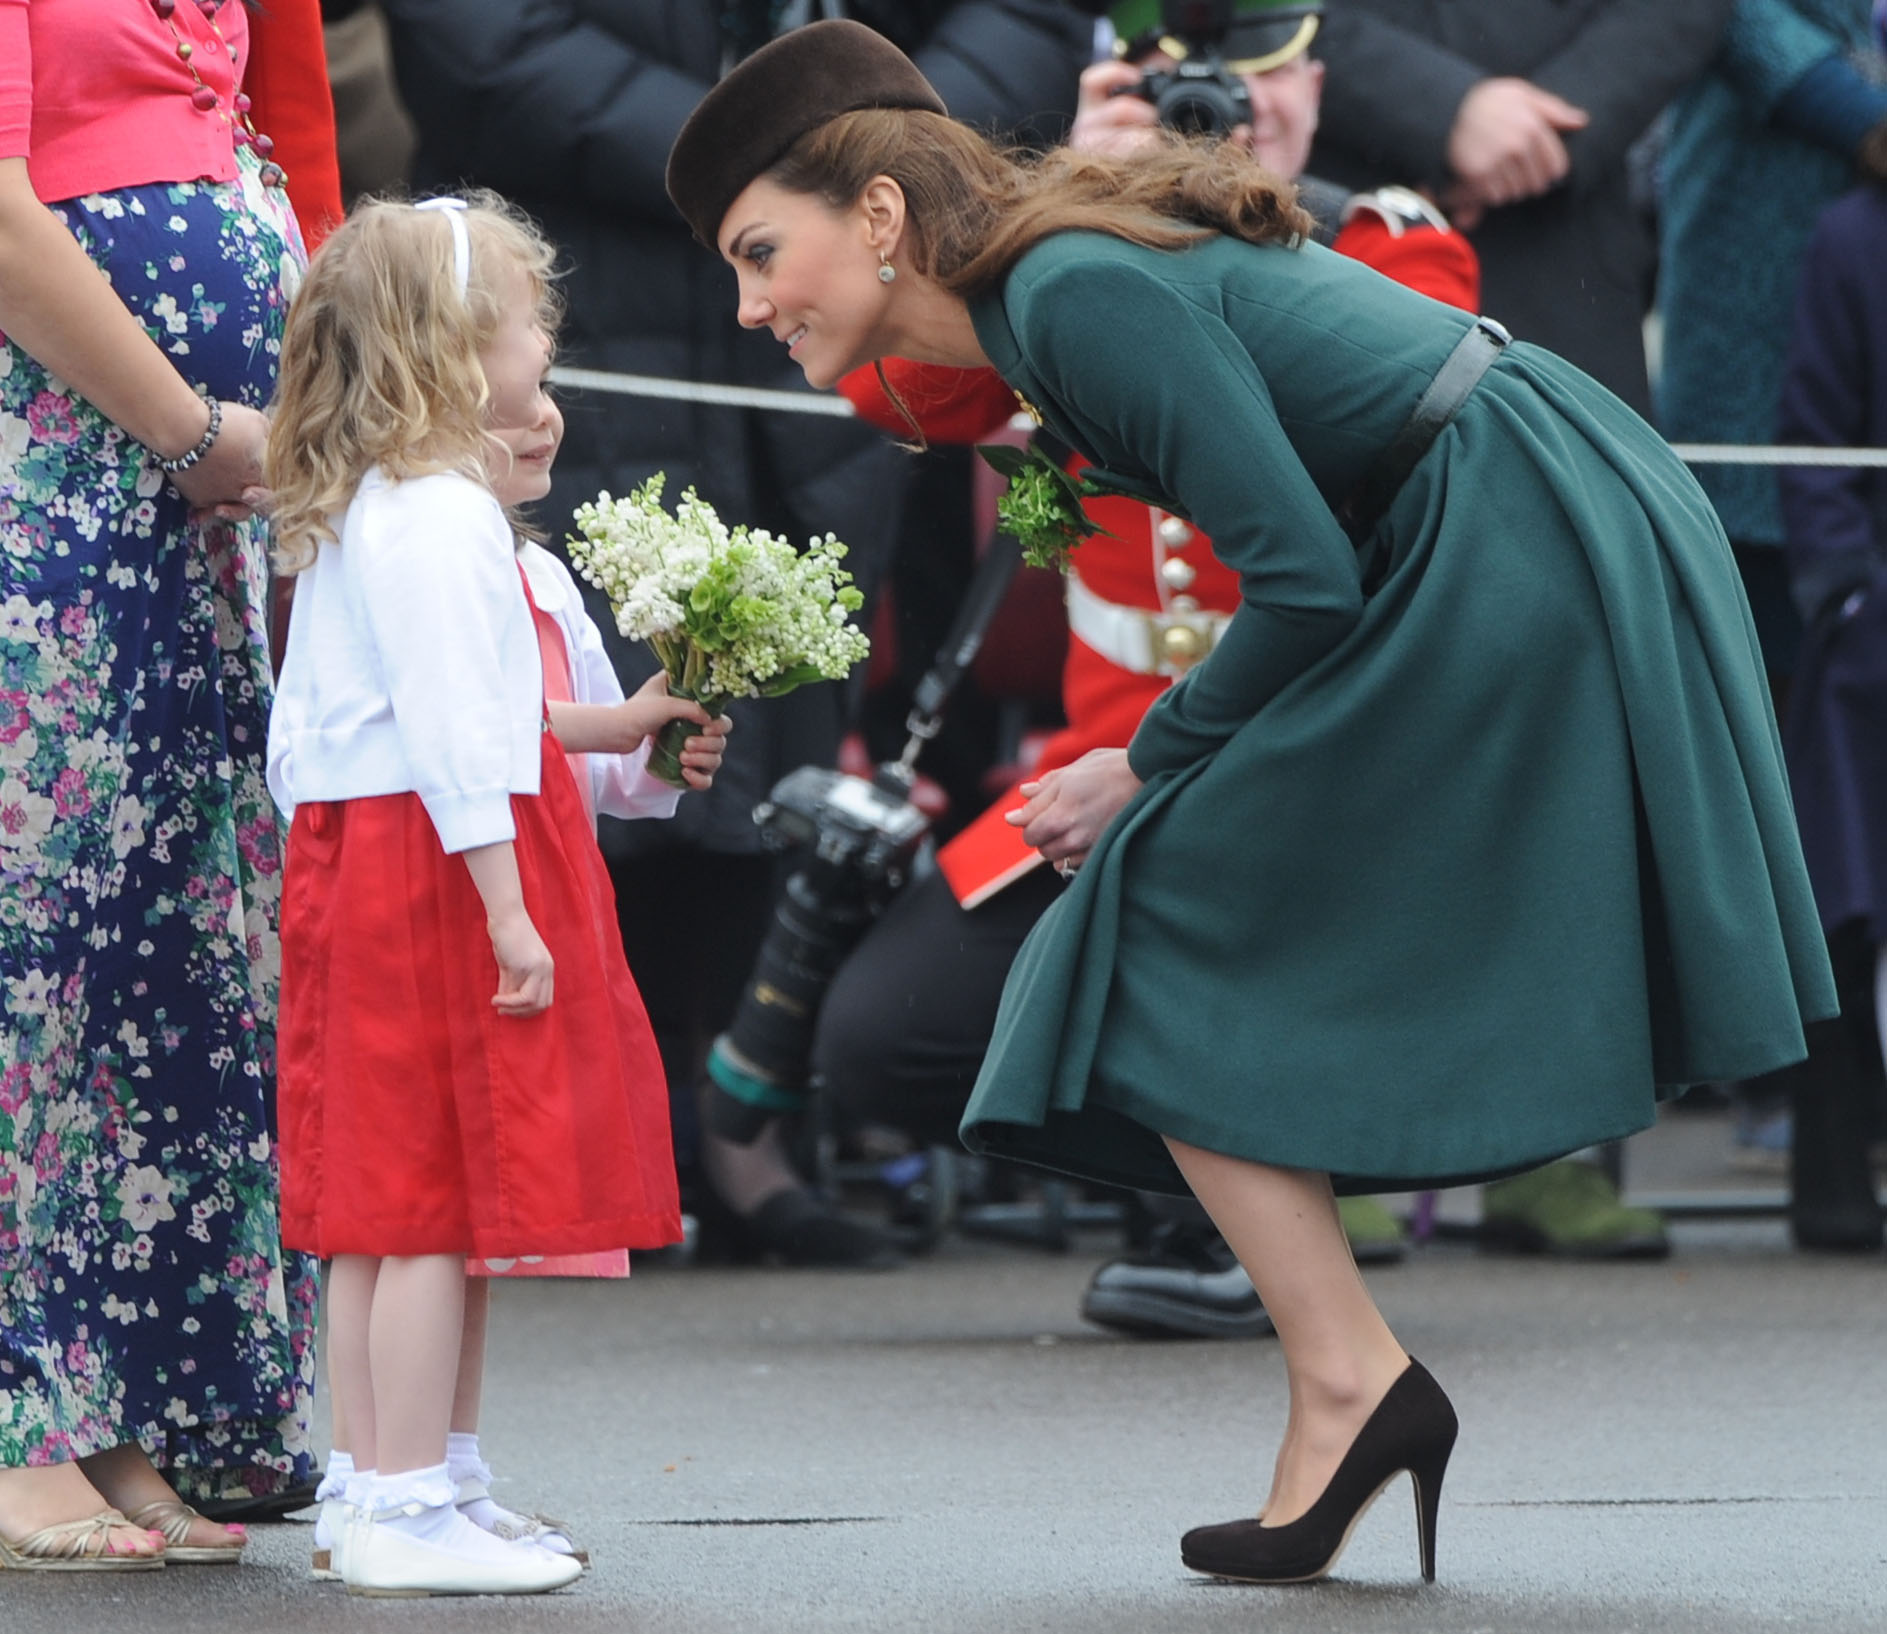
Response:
column 413, row 1350
column 1339, row 1356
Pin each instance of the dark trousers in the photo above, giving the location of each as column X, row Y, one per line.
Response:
column 1836, row 1094
column 909, row 1015
column 692, row 924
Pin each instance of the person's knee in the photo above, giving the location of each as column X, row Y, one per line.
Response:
column 856, row 1054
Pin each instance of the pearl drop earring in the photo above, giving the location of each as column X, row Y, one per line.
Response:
column 886, row 272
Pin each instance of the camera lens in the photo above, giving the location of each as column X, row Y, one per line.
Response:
column 1202, row 98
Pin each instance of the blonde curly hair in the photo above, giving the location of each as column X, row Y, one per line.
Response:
column 380, row 357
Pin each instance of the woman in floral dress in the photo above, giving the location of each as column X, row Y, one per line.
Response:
column 149, row 1320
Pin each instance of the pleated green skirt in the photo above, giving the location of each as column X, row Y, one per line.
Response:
column 1476, row 889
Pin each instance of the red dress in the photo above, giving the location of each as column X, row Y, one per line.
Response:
column 414, row 1118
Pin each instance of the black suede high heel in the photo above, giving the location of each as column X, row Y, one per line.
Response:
column 1413, row 1429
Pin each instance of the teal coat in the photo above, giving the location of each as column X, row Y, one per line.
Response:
column 1421, row 887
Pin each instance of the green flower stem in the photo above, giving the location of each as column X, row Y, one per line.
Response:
column 685, row 663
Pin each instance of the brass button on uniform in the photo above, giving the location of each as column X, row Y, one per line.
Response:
column 1177, row 573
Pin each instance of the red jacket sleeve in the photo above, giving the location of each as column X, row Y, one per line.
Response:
column 950, row 405
column 291, row 104
column 1433, row 261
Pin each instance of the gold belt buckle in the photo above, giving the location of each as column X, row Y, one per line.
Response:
column 1179, row 639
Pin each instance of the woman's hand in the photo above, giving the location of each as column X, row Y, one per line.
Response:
column 228, row 479
column 1067, row 808
column 1107, row 120
column 701, row 755
column 525, row 972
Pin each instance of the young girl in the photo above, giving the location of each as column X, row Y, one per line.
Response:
column 443, row 886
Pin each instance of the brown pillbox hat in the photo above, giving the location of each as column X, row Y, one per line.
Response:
column 767, row 102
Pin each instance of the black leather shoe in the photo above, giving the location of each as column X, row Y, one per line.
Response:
column 1188, row 1286
column 792, row 1227
column 251, row 1511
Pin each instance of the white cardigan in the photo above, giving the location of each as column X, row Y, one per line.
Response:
column 412, row 663
column 620, row 785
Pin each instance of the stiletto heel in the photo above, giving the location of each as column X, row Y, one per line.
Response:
column 1413, row 1428
column 1427, row 1483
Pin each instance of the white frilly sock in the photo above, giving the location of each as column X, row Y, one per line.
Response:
column 427, row 1492
column 333, row 1489
column 335, row 1477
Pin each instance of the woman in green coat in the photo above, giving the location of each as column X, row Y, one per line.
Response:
column 1469, row 839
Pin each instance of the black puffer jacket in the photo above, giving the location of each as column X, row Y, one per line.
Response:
column 570, row 107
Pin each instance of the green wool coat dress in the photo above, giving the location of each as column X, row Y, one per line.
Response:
column 1426, row 886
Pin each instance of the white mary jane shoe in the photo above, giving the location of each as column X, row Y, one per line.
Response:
column 332, row 1526
column 541, row 1530
column 383, row 1562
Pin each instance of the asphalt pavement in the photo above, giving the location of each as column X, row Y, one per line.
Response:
column 1697, row 1444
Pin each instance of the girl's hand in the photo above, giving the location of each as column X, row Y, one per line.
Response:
column 649, row 708
column 525, row 970
column 1067, row 809
column 227, row 479
column 701, row 755
column 524, row 964
column 618, row 729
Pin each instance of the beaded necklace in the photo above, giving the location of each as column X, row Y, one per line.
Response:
column 204, row 98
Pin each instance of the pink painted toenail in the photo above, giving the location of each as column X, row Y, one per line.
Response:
column 237, row 1529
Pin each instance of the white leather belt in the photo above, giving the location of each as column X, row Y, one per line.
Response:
column 1138, row 638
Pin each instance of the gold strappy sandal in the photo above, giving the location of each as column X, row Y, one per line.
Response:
column 172, row 1517
column 76, row 1546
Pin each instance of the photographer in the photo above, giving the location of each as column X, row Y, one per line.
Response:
column 906, row 1021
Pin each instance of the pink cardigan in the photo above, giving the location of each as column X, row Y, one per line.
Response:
column 94, row 96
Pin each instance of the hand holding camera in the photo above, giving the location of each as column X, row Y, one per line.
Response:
column 1111, row 116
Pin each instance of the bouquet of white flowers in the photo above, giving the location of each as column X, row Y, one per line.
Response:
column 730, row 612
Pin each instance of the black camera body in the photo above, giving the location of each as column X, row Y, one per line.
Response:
column 860, row 836
column 1200, row 95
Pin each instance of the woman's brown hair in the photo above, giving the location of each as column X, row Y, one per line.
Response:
column 974, row 210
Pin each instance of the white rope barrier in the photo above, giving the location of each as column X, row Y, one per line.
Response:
column 689, row 391
column 1773, row 454
column 798, row 402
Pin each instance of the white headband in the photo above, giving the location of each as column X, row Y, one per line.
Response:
column 454, row 212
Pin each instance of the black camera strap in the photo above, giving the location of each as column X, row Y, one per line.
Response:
column 988, row 585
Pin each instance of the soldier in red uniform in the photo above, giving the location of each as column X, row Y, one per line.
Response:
column 905, row 1023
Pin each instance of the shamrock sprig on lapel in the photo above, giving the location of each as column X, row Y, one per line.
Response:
column 1041, row 508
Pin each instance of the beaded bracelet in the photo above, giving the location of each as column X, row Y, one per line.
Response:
column 183, row 462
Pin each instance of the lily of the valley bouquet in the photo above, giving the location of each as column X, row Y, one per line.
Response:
column 730, row 612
